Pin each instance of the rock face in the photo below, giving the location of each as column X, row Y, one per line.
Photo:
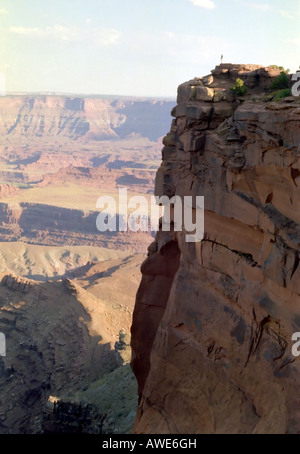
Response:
column 122, row 348
column 7, row 189
column 18, row 283
column 213, row 320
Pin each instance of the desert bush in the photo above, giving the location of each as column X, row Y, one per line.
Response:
column 239, row 88
column 280, row 82
column 282, row 94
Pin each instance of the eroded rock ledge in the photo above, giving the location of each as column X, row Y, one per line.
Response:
column 213, row 320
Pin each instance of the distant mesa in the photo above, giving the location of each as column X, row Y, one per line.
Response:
column 83, row 118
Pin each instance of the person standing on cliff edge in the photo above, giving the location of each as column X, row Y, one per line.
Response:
column 222, row 59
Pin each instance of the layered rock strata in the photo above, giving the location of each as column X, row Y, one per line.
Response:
column 50, row 225
column 213, row 320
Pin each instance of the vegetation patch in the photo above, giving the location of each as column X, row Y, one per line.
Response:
column 280, row 82
column 281, row 94
column 239, row 88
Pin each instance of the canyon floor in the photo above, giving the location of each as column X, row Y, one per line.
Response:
column 67, row 291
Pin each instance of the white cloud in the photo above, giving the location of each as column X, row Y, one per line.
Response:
column 286, row 14
column 57, row 31
column 266, row 7
column 61, row 33
column 99, row 37
column 263, row 7
column 3, row 11
column 292, row 41
column 208, row 4
column 106, row 36
column 26, row 31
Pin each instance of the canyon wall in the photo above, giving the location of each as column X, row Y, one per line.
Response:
column 48, row 225
column 213, row 320
column 88, row 118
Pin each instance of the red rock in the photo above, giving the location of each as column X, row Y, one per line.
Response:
column 212, row 344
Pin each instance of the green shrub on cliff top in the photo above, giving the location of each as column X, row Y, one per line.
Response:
column 239, row 88
column 280, row 82
column 281, row 68
column 282, row 94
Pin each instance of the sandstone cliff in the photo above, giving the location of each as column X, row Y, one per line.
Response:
column 213, row 320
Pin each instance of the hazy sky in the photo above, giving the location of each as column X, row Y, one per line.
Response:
column 139, row 47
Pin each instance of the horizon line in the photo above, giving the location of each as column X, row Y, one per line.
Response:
column 84, row 95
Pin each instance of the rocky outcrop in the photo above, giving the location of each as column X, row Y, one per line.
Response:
column 137, row 180
column 122, row 348
column 18, row 283
column 6, row 189
column 213, row 320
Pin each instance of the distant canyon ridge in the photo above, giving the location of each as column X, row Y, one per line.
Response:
column 58, row 154
column 66, row 290
column 91, row 118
